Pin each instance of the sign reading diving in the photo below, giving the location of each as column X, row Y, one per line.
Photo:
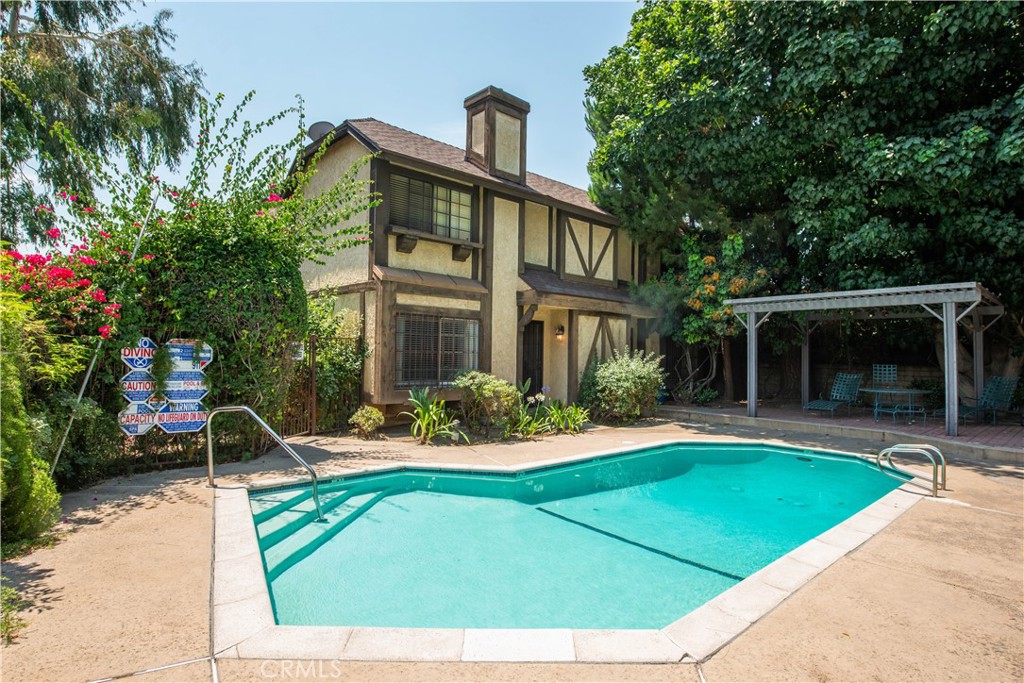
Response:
column 182, row 417
column 139, row 357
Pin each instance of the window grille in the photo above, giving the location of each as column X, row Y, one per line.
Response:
column 431, row 351
column 420, row 205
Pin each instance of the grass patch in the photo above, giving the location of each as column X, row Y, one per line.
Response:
column 11, row 622
column 9, row 551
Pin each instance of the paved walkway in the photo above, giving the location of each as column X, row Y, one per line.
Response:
column 939, row 595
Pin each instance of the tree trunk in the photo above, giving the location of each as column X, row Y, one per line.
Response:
column 727, row 369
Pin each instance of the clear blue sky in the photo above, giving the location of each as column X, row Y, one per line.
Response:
column 409, row 64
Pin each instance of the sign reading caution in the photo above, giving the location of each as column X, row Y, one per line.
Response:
column 181, row 411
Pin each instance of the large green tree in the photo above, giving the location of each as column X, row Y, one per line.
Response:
column 113, row 84
column 863, row 144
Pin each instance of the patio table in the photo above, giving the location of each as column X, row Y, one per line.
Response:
column 886, row 400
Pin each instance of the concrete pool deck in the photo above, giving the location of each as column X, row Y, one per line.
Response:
column 937, row 595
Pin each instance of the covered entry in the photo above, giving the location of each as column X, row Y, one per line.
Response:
column 965, row 302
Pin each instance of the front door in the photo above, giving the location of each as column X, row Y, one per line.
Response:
column 533, row 355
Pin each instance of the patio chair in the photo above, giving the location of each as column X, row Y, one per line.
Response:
column 883, row 376
column 997, row 395
column 844, row 392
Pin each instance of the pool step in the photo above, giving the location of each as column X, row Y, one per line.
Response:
column 266, row 508
column 281, row 526
column 305, row 541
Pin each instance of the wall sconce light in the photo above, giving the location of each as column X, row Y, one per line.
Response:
column 559, row 332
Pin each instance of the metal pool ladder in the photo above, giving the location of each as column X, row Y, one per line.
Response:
column 274, row 435
column 934, row 455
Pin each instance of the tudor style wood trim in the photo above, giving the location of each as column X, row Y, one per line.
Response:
column 526, row 316
column 573, row 333
column 338, row 290
column 551, row 238
column 439, row 311
column 487, row 267
column 380, row 172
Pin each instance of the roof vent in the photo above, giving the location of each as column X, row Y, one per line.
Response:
column 319, row 130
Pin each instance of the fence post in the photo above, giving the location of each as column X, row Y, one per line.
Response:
column 312, row 384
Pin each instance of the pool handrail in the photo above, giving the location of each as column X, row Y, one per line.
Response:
column 274, row 435
column 938, row 480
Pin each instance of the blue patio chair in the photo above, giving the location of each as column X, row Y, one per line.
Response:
column 844, row 392
column 883, row 376
column 997, row 395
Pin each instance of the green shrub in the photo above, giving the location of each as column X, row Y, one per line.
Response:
column 366, row 421
column 10, row 621
column 29, row 503
column 565, row 419
column 340, row 354
column 705, row 396
column 431, row 419
column 488, row 402
column 625, row 387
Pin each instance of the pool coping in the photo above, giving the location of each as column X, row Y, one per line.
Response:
column 243, row 621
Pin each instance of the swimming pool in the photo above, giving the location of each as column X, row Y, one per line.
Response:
column 633, row 540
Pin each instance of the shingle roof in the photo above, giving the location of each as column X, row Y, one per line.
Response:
column 406, row 143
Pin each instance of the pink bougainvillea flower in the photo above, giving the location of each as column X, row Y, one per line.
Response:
column 62, row 194
column 273, row 185
column 88, row 261
column 14, row 255
column 122, row 252
column 89, row 209
column 148, row 257
column 43, row 208
column 136, row 224
column 274, row 198
column 106, row 235
column 53, row 233
column 260, row 213
column 25, row 288
column 35, row 260
column 59, row 273
column 105, row 333
column 99, row 296
column 5, row 278
column 111, row 309
column 84, row 282
column 193, row 205
column 160, row 221
column 73, row 197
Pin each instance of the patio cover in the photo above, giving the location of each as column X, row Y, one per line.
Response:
column 949, row 303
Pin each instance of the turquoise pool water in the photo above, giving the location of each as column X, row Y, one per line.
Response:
column 634, row 540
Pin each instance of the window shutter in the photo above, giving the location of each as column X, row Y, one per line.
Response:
column 411, row 203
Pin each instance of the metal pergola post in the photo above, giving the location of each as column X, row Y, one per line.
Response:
column 752, row 364
column 949, row 349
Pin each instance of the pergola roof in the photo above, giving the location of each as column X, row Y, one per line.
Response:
column 959, row 293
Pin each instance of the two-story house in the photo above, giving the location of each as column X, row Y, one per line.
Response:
column 475, row 263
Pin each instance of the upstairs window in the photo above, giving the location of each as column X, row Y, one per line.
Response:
column 432, row 208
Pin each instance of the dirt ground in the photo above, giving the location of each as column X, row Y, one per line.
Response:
column 936, row 596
